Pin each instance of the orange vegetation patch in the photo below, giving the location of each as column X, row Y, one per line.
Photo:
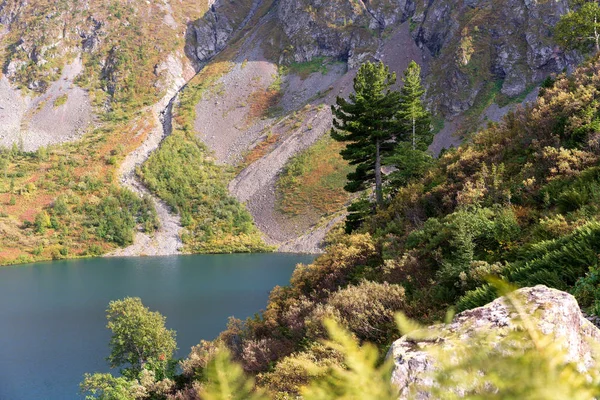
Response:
column 31, row 206
column 260, row 150
column 9, row 254
column 260, row 102
column 313, row 183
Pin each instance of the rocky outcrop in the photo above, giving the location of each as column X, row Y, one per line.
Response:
column 555, row 313
column 208, row 35
column 479, row 41
column 472, row 43
column 317, row 28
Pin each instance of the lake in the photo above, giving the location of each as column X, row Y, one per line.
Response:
column 52, row 315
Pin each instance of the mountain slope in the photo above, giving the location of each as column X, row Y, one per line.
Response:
column 254, row 115
column 290, row 67
column 518, row 204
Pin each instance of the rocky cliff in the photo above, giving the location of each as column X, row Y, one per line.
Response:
column 468, row 44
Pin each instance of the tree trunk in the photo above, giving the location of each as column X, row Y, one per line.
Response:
column 596, row 34
column 414, row 134
column 378, row 179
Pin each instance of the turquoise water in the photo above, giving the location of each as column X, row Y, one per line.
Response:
column 52, row 315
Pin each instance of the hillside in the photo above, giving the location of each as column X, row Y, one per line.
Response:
column 228, row 103
column 518, row 204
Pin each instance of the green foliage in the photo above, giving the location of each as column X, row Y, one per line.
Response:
column 358, row 212
column 381, row 126
column 305, row 69
column 414, row 119
column 142, row 347
column 140, row 340
column 42, row 222
column 556, row 263
column 107, row 387
column 411, row 164
column 580, row 28
column 461, row 243
column 61, row 100
column 365, row 122
column 183, row 174
column 226, row 380
column 587, row 291
column 117, row 215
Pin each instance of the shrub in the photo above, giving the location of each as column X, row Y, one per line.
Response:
column 298, row 370
column 367, row 310
column 42, row 222
column 343, row 263
column 193, row 367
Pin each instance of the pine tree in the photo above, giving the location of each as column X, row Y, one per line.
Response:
column 414, row 118
column 410, row 157
column 366, row 123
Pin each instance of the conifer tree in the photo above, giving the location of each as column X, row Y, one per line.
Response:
column 366, row 123
column 414, row 118
column 410, row 157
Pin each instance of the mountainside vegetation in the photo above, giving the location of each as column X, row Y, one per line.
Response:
column 517, row 203
column 65, row 200
column 184, row 174
column 134, row 53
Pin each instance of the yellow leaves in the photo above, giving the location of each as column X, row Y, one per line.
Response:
column 566, row 162
column 466, row 48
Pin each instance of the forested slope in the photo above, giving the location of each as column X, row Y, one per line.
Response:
column 518, row 203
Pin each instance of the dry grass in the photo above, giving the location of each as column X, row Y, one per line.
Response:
column 260, row 150
column 313, row 181
column 260, row 102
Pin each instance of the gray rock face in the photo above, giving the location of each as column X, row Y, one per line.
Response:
column 557, row 314
column 507, row 40
column 473, row 42
column 511, row 41
column 340, row 29
column 317, row 28
column 207, row 36
column 8, row 10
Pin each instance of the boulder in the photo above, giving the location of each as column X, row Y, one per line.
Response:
column 556, row 313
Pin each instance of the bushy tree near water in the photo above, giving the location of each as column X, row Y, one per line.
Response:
column 139, row 339
column 141, row 346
